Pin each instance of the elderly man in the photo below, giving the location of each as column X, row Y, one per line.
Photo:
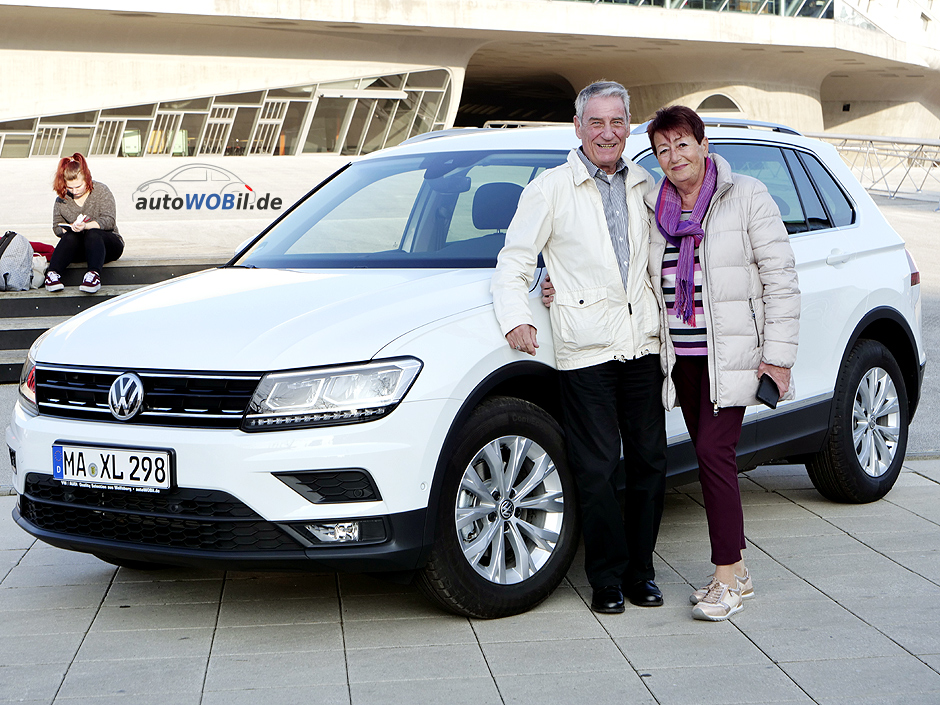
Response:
column 589, row 220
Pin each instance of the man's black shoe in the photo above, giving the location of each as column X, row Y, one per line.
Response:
column 607, row 600
column 645, row 594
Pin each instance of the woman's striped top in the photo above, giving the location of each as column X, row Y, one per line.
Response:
column 686, row 339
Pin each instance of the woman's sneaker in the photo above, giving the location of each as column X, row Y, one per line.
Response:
column 745, row 585
column 53, row 281
column 720, row 602
column 90, row 283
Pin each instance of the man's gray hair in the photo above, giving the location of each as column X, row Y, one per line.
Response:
column 601, row 89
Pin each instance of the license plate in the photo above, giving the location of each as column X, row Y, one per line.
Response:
column 127, row 469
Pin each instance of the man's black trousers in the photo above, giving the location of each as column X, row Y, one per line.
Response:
column 605, row 405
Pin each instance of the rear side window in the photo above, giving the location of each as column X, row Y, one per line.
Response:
column 806, row 194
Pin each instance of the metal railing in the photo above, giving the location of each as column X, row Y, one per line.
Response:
column 819, row 9
column 891, row 165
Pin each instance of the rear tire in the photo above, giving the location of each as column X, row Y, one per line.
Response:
column 868, row 438
column 507, row 518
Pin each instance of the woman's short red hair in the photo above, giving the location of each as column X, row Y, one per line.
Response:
column 71, row 168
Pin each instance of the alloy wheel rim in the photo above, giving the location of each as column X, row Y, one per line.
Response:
column 509, row 510
column 876, row 422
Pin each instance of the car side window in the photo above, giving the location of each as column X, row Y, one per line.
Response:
column 767, row 164
column 841, row 211
column 816, row 216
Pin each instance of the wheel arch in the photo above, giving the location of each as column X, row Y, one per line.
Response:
column 889, row 327
column 528, row 380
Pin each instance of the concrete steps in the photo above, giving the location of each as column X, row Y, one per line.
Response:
column 25, row 315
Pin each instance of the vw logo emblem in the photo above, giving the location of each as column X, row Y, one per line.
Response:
column 126, row 396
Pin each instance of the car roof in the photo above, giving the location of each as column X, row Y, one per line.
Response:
column 562, row 137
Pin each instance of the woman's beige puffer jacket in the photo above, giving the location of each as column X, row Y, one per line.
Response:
column 750, row 291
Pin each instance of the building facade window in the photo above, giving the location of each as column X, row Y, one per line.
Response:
column 349, row 117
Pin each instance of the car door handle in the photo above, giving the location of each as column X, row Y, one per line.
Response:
column 837, row 257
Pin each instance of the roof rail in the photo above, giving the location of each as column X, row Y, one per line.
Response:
column 713, row 121
column 503, row 124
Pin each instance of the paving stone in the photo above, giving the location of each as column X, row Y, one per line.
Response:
column 48, row 621
column 145, row 644
column 770, row 614
column 160, row 616
column 536, row 626
column 813, row 642
column 164, row 592
column 130, row 575
column 410, row 663
column 275, row 670
column 324, row 636
column 890, row 676
column 428, row 631
column 39, row 683
column 453, row 691
column 133, row 677
column 568, row 656
column 134, row 699
column 16, row 599
column 28, row 576
column 650, row 652
column 310, row 694
column 359, row 584
column 38, row 649
column 916, row 637
column 281, row 587
column 596, row 687
column 805, row 526
column 307, row 611
column 44, row 554
column 762, row 683
column 391, row 606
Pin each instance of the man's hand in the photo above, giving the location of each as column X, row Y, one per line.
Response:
column 523, row 338
column 548, row 291
column 780, row 375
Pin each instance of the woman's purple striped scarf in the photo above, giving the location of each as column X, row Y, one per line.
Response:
column 686, row 235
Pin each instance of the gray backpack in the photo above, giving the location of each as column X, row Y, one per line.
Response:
column 16, row 262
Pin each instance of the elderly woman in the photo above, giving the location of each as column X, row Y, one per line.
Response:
column 723, row 270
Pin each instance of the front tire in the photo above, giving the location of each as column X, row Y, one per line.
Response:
column 507, row 516
column 868, row 439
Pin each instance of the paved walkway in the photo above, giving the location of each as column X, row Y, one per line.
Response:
column 846, row 613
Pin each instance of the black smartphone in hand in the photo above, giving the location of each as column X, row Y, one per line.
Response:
column 767, row 392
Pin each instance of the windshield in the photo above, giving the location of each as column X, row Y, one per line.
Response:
column 434, row 210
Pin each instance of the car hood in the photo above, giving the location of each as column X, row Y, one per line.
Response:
column 236, row 319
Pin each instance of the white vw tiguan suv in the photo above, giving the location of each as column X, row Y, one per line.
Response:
column 339, row 395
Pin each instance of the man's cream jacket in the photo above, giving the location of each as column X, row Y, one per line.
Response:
column 594, row 318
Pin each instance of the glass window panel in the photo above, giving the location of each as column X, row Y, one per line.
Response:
column 134, row 139
column 404, row 116
column 386, row 82
column 840, row 209
column 375, row 137
column 129, row 111
column 290, row 130
column 341, row 84
column 327, row 125
column 187, row 138
column 252, row 98
column 427, row 113
column 357, row 126
column 107, row 137
column 196, row 104
column 816, row 217
column 13, row 125
column 293, row 92
column 427, row 79
column 16, row 146
column 241, row 131
column 69, row 118
column 77, row 139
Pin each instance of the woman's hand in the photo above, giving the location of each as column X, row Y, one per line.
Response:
column 780, row 375
column 523, row 338
column 548, row 291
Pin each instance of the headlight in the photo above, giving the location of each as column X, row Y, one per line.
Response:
column 328, row 396
column 28, row 385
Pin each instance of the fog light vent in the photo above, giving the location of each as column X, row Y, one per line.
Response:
column 332, row 486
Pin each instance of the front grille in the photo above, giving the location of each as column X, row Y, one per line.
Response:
column 202, row 400
column 201, row 520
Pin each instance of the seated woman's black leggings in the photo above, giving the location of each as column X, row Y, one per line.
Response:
column 92, row 246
